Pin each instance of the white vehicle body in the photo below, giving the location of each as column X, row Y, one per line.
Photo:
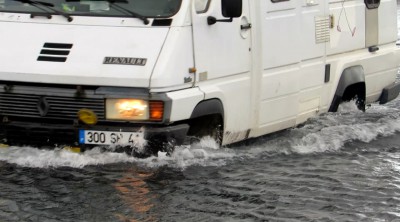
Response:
column 271, row 68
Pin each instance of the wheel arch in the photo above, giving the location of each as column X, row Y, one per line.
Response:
column 208, row 107
column 207, row 119
column 351, row 85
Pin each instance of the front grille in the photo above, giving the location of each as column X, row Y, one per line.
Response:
column 54, row 52
column 58, row 107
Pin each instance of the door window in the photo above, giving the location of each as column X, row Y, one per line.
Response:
column 201, row 6
column 371, row 4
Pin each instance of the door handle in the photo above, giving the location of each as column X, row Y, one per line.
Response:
column 245, row 27
column 373, row 48
column 311, row 3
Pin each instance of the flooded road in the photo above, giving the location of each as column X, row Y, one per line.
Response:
column 341, row 166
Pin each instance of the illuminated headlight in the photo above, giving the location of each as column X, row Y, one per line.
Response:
column 134, row 109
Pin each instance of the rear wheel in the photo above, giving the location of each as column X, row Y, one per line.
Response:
column 354, row 92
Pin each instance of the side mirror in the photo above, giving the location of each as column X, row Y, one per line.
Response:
column 230, row 9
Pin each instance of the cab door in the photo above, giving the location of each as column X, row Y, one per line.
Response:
column 223, row 48
column 222, row 53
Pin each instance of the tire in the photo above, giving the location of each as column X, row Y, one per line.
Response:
column 211, row 126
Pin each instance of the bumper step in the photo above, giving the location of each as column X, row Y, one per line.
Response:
column 389, row 93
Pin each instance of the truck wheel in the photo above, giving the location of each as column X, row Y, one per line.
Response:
column 354, row 92
column 163, row 144
column 210, row 125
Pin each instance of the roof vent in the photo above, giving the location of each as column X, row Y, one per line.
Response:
column 54, row 52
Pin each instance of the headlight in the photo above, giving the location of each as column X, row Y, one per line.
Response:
column 134, row 109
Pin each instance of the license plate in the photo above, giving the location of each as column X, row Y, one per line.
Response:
column 109, row 137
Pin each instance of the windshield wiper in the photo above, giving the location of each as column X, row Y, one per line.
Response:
column 48, row 6
column 122, row 9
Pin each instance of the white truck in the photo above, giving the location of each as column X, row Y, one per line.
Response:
column 86, row 73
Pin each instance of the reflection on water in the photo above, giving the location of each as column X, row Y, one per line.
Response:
column 135, row 193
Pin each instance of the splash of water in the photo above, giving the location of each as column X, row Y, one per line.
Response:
column 331, row 131
column 204, row 153
column 326, row 133
column 33, row 157
column 349, row 124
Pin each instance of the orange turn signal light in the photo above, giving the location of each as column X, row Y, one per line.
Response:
column 156, row 110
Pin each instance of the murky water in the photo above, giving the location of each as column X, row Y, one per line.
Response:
column 337, row 167
column 341, row 166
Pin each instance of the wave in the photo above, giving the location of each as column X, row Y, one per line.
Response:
column 326, row 133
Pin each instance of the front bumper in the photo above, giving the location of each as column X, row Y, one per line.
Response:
column 46, row 115
column 57, row 135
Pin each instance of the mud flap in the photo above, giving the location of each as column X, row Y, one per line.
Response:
column 389, row 93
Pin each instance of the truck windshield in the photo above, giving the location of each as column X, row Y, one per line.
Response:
column 111, row 8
